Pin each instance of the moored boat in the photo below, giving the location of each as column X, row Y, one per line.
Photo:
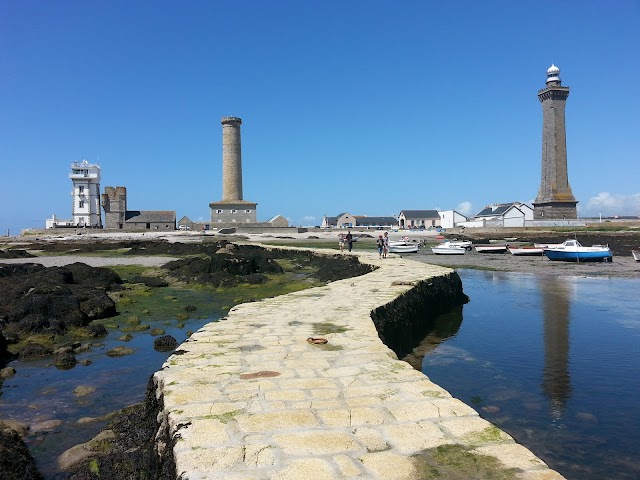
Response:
column 402, row 247
column 573, row 251
column 446, row 249
column 636, row 255
column 493, row 248
column 525, row 250
column 466, row 244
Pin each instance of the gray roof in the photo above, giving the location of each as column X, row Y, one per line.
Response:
column 420, row 213
column 496, row 210
column 150, row 216
column 377, row 220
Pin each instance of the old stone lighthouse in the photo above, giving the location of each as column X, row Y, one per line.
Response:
column 555, row 199
column 232, row 209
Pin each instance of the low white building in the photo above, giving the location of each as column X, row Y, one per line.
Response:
column 451, row 218
column 514, row 214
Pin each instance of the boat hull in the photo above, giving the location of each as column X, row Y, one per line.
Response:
column 491, row 248
column 448, row 250
column 524, row 251
column 577, row 256
column 403, row 248
column 636, row 255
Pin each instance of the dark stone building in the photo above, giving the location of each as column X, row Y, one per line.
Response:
column 555, row 200
column 117, row 217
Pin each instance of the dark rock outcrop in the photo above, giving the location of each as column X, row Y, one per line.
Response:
column 15, row 459
column 224, row 269
column 164, row 343
column 137, row 447
column 5, row 355
column 15, row 253
column 35, row 299
column 149, row 281
column 64, row 361
column 34, row 350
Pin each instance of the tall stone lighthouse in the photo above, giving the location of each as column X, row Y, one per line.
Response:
column 555, row 200
column 232, row 208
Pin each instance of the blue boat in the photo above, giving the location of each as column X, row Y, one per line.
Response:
column 572, row 251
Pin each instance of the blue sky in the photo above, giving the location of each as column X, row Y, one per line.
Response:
column 368, row 107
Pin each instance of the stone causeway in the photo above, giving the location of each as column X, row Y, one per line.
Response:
column 249, row 397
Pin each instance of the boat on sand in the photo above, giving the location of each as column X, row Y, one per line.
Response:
column 466, row 244
column 446, row 249
column 492, row 248
column 573, row 251
column 525, row 250
column 636, row 255
column 402, row 247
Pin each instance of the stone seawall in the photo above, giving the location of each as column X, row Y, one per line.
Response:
column 250, row 397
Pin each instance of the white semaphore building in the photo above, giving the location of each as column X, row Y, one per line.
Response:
column 86, row 197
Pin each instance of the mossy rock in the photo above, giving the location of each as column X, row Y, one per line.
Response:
column 157, row 331
column 120, row 351
column 182, row 316
column 133, row 320
column 135, row 328
column 125, row 338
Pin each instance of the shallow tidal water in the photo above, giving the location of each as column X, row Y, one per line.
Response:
column 40, row 392
column 554, row 361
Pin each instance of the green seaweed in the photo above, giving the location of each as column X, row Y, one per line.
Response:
column 456, row 462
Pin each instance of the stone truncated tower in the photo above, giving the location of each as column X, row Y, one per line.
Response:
column 555, row 201
column 232, row 209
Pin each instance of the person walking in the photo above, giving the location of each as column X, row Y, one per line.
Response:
column 380, row 243
column 385, row 244
column 349, row 238
column 341, row 241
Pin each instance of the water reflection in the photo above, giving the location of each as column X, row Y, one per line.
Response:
column 553, row 361
column 445, row 326
column 556, row 309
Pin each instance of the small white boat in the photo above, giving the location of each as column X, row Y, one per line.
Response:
column 636, row 255
column 446, row 249
column 398, row 243
column 493, row 248
column 466, row 244
column 572, row 251
column 522, row 251
column 404, row 248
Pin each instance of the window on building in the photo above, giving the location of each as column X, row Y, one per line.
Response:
column 234, row 211
column 218, row 211
column 81, row 189
column 247, row 211
column 81, row 205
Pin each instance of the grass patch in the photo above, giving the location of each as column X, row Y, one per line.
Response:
column 225, row 417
